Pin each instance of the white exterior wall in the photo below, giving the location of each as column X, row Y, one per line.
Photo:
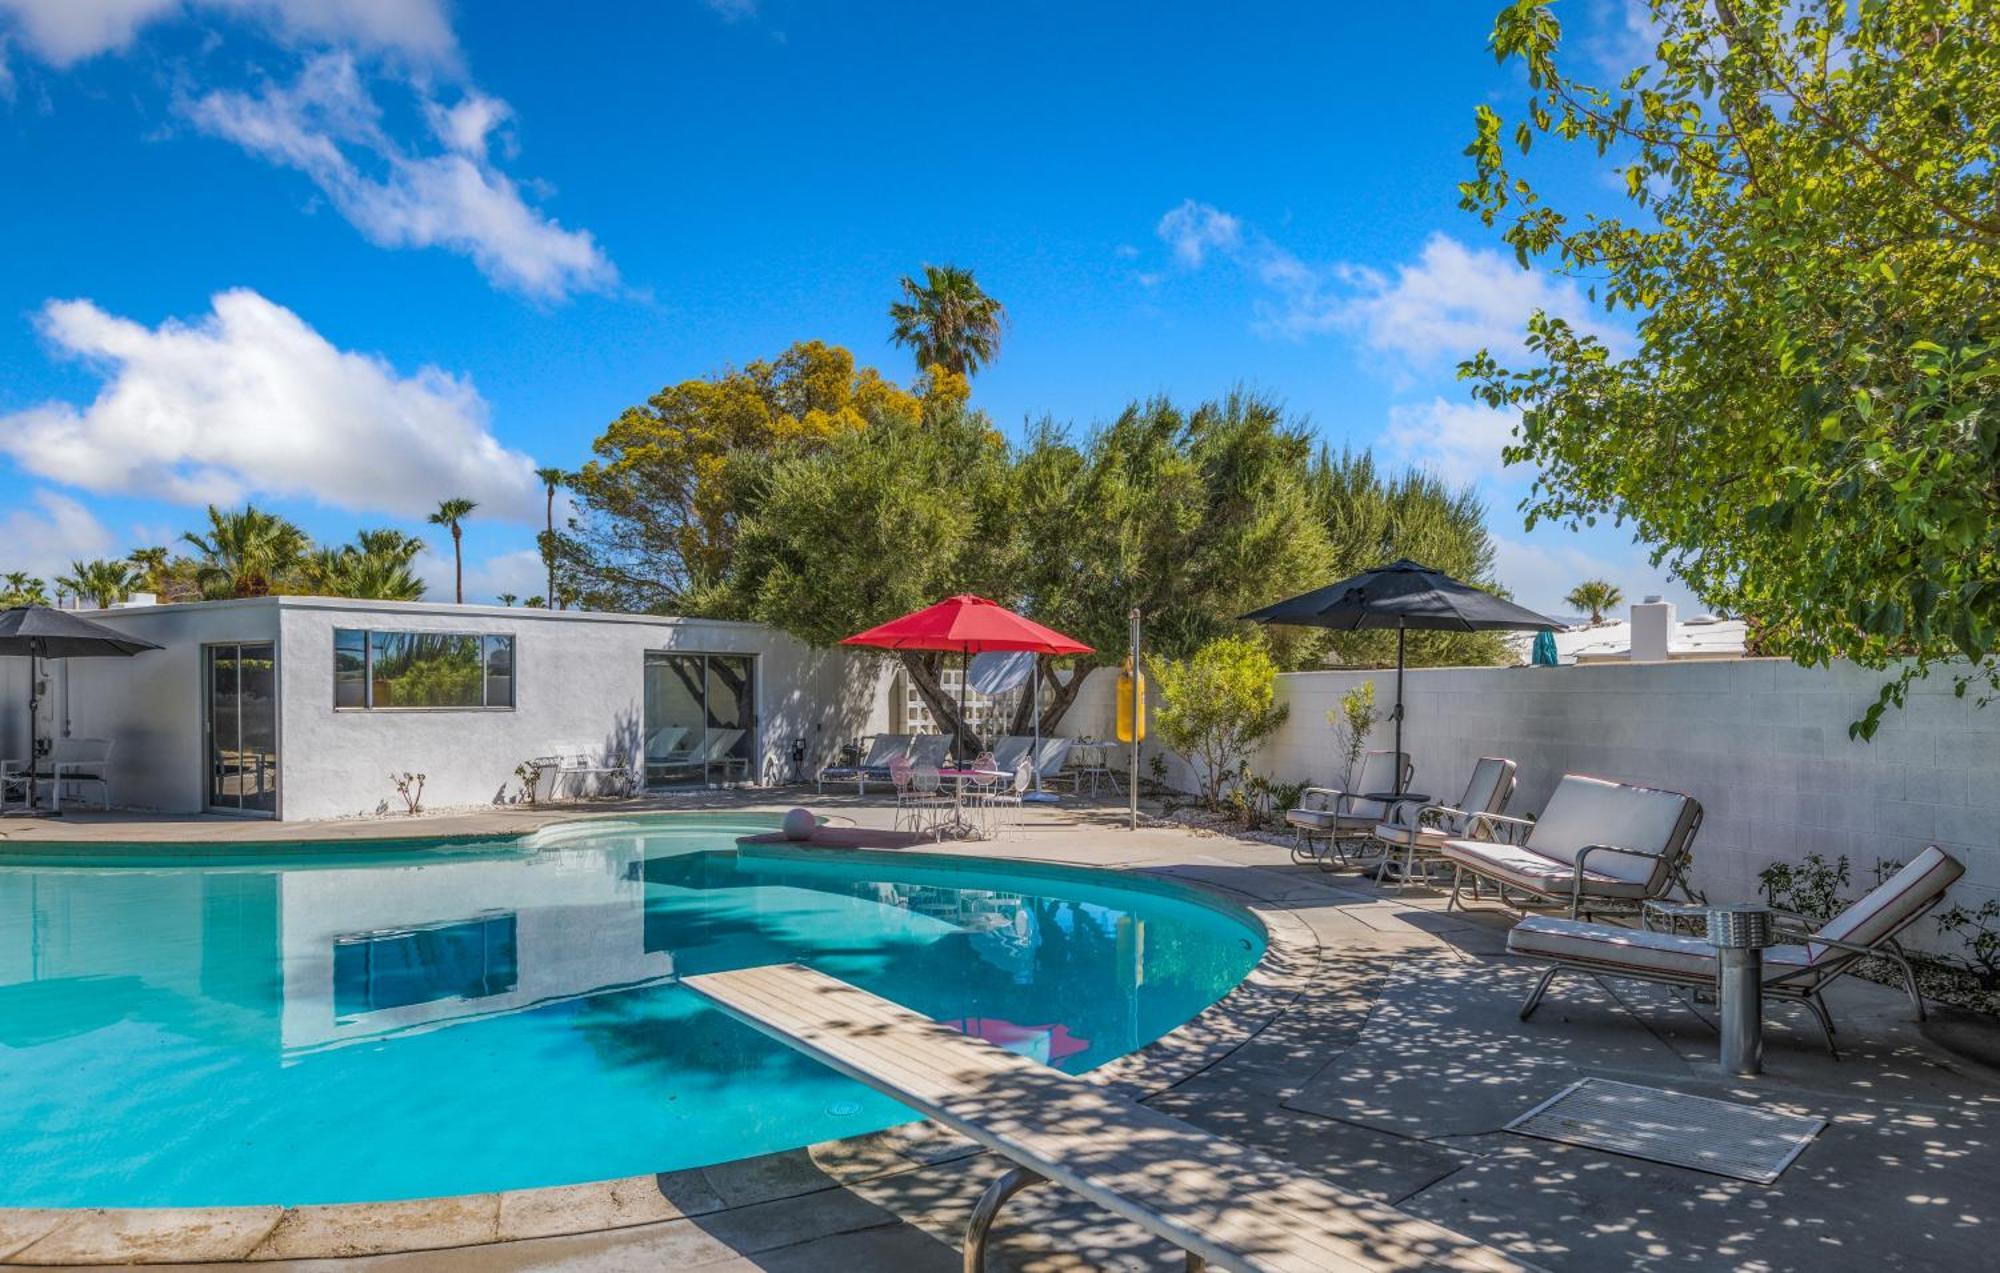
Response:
column 149, row 705
column 579, row 685
column 1762, row 743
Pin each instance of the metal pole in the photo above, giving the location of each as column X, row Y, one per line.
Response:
column 1398, row 758
column 34, row 648
column 1138, row 715
column 964, row 674
column 1740, row 933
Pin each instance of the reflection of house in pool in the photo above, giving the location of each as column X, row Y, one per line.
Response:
column 342, row 953
column 374, row 952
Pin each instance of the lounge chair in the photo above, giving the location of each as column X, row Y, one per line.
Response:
column 874, row 766
column 1335, row 816
column 1416, row 833
column 1051, row 759
column 1800, row 969
column 1011, row 751
column 1599, row 847
column 70, row 762
column 930, row 749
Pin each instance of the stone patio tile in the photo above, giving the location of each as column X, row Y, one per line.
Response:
column 180, row 1233
column 1445, row 1053
column 611, row 1204
column 21, row 1225
column 749, row 1181
column 376, row 1227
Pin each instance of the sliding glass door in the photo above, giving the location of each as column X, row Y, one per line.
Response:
column 701, row 722
column 241, row 689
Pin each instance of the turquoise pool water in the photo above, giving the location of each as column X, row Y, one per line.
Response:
column 182, row 1027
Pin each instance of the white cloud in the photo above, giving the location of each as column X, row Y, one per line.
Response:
column 64, row 32
column 44, row 540
column 250, row 401
column 1454, row 301
column 1193, row 229
column 1459, row 441
column 732, row 10
column 328, row 126
column 1445, row 306
column 520, row 572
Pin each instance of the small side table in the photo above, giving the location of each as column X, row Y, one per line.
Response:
column 1657, row 914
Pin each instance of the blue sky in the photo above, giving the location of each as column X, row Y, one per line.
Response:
column 349, row 257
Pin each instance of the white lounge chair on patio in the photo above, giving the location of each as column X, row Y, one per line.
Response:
column 1416, row 833
column 70, row 764
column 1334, row 816
column 1801, row 969
column 930, row 749
column 874, row 766
column 1011, row 751
column 1599, row 846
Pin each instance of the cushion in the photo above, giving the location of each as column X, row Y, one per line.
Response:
column 1585, row 811
column 1528, row 869
column 1403, row 837
column 1490, row 786
column 1894, row 902
column 1610, row 949
column 1328, row 820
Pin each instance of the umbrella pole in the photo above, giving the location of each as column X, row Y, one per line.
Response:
column 1400, row 632
column 964, row 674
column 32, row 647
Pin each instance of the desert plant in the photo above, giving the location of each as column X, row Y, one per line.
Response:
column 1351, row 722
column 411, row 788
column 1216, row 706
column 1810, row 889
column 1979, row 929
column 529, row 774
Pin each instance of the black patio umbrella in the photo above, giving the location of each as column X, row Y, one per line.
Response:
column 38, row 632
column 1403, row 595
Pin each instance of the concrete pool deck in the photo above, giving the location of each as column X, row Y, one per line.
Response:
column 1382, row 1053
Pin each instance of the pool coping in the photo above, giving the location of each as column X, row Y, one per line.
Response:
column 61, row 1236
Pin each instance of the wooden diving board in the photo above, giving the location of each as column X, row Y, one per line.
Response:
column 1233, row 1207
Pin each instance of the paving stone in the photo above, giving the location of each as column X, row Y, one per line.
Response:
column 376, row 1227
column 611, row 1204
column 127, row 1236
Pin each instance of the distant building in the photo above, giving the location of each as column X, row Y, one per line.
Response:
column 1652, row 634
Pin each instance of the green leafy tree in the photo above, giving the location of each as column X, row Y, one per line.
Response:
column 451, row 514
column 660, row 503
column 246, row 553
column 376, row 567
column 1352, row 722
column 1216, row 706
column 1594, row 597
column 948, row 321
column 1193, row 516
column 102, row 583
column 1806, row 422
column 879, row 522
column 23, row 589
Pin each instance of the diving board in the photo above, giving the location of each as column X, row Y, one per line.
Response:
column 1229, row 1206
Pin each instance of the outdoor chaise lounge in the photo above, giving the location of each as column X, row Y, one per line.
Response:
column 1801, row 969
column 874, row 766
column 69, row 764
column 1334, row 816
column 1226, row 1205
column 1415, row 834
column 1599, row 846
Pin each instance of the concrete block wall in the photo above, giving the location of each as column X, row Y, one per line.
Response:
column 1762, row 743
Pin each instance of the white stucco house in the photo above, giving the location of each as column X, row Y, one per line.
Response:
column 302, row 707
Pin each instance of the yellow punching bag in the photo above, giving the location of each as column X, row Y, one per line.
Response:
column 1131, row 691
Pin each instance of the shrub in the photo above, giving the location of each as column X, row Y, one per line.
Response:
column 1216, row 706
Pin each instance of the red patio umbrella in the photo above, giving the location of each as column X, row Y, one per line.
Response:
column 969, row 625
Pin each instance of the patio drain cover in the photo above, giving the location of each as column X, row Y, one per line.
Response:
column 1719, row 1137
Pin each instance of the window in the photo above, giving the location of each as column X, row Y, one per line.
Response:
column 388, row 670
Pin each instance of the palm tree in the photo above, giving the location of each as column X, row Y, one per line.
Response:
column 247, row 553
column 450, row 513
column 23, row 589
column 1596, row 596
column 551, row 478
column 152, row 565
column 104, row 582
column 389, row 543
column 506, row 598
column 948, row 321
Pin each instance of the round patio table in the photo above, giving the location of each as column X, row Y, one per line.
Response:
column 960, row 825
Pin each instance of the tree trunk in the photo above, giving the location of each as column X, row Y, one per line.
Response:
column 457, row 564
column 923, row 668
column 549, row 549
column 1057, row 696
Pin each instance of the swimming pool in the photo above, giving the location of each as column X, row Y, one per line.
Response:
column 188, row 1026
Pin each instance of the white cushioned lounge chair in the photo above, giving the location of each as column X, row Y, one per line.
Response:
column 1416, row 833
column 1800, row 969
column 874, row 766
column 1332, row 816
column 1599, row 847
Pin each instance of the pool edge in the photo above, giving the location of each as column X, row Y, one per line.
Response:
column 59, row 1237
